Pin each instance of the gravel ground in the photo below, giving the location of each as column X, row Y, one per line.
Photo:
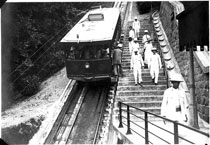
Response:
column 24, row 119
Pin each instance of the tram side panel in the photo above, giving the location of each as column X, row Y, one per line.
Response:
column 89, row 70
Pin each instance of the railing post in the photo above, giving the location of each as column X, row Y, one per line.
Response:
column 146, row 128
column 176, row 134
column 128, row 121
column 120, row 115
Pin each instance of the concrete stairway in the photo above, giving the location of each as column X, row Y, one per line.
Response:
column 149, row 97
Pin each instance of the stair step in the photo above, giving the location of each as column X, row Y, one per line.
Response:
column 147, row 104
column 135, row 119
column 128, row 64
column 123, row 79
column 143, row 71
column 139, row 98
column 145, row 82
column 146, row 87
column 129, row 73
column 140, row 93
column 150, row 109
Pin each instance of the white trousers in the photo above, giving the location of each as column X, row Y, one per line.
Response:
column 154, row 72
column 137, row 74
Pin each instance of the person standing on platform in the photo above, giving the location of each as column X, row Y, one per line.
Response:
column 117, row 57
column 136, row 27
column 137, row 64
column 147, row 51
column 154, row 65
column 174, row 105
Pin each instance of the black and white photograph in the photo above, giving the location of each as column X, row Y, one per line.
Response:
column 104, row 72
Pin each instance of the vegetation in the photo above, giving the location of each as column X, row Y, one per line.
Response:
column 30, row 48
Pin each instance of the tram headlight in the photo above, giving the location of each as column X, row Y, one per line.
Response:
column 87, row 65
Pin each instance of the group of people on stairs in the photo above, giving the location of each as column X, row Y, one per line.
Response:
column 174, row 105
column 147, row 56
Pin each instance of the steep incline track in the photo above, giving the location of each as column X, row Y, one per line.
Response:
column 82, row 118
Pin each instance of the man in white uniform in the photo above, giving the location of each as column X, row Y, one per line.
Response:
column 131, row 32
column 145, row 37
column 155, row 65
column 136, row 27
column 134, row 45
column 174, row 105
column 136, row 64
column 147, row 51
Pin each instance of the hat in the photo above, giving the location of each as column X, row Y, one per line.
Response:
column 154, row 48
column 176, row 77
column 119, row 45
column 145, row 31
column 135, row 18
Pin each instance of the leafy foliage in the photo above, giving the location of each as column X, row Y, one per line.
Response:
column 35, row 30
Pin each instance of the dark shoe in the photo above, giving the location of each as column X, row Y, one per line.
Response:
column 140, row 84
column 135, row 84
column 156, row 83
column 153, row 80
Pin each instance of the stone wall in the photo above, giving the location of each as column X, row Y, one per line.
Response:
column 168, row 12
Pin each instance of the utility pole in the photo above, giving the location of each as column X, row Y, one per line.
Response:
column 193, row 98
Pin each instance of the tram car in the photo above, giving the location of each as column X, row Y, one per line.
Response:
column 90, row 43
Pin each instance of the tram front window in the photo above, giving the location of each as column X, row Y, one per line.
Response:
column 88, row 52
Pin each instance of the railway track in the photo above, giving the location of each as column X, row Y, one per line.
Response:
column 82, row 118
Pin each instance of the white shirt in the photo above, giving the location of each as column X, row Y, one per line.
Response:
column 155, row 62
column 145, row 38
column 135, row 46
column 130, row 45
column 136, row 25
column 131, row 33
column 136, row 61
column 172, row 99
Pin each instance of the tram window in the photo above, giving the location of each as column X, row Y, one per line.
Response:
column 98, row 53
column 73, row 53
column 86, row 53
column 70, row 54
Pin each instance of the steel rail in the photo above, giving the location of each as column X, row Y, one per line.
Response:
column 104, row 92
column 72, row 120
column 41, row 136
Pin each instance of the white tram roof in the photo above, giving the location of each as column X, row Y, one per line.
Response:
column 92, row 31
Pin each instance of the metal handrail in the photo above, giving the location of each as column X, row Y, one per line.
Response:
column 176, row 124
